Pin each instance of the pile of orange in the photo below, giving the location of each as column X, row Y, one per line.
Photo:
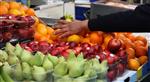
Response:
column 44, row 33
column 15, row 9
column 136, row 48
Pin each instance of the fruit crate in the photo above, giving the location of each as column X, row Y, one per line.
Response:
column 145, row 68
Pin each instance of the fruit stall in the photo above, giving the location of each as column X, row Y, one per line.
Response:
column 31, row 52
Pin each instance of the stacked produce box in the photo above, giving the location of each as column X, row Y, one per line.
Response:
column 92, row 57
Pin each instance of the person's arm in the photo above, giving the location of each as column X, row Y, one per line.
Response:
column 129, row 21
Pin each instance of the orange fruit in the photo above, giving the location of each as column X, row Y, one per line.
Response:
column 55, row 37
column 96, row 38
column 22, row 12
column 37, row 36
column 123, row 46
column 141, row 38
column 107, row 39
column 86, row 40
column 50, row 30
column 131, row 37
column 30, row 12
column 50, row 41
column 24, row 8
column 128, row 43
column 3, row 10
column 4, row 3
column 133, row 64
column 143, row 59
column 138, row 43
column 140, row 51
column 74, row 38
column 131, row 53
column 103, row 46
column 41, row 28
column 14, row 5
column 14, row 12
column 43, row 38
column 127, row 33
column 36, row 21
column 121, row 36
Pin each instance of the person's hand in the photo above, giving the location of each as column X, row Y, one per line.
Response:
column 65, row 28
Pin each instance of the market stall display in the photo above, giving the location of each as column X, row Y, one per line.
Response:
column 92, row 57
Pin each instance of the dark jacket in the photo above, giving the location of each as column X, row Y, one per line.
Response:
column 128, row 21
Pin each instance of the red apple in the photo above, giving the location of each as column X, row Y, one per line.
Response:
column 56, row 44
column 67, row 43
column 91, row 50
column 23, row 33
column 23, row 45
column 85, row 45
column 65, row 54
column 61, row 49
column 120, row 68
column 62, row 44
column 34, row 45
column 77, row 50
column 90, row 56
column 12, row 17
column 51, row 45
column 30, row 20
column 110, row 60
column 85, row 53
column 116, row 58
column 87, row 48
column 122, row 54
column 30, row 32
column 43, row 46
column 28, row 48
column 7, row 36
column 111, row 75
column 55, row 52
column 97, row 48
column 102, row 57
column 114, row 45
column 107, row 53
